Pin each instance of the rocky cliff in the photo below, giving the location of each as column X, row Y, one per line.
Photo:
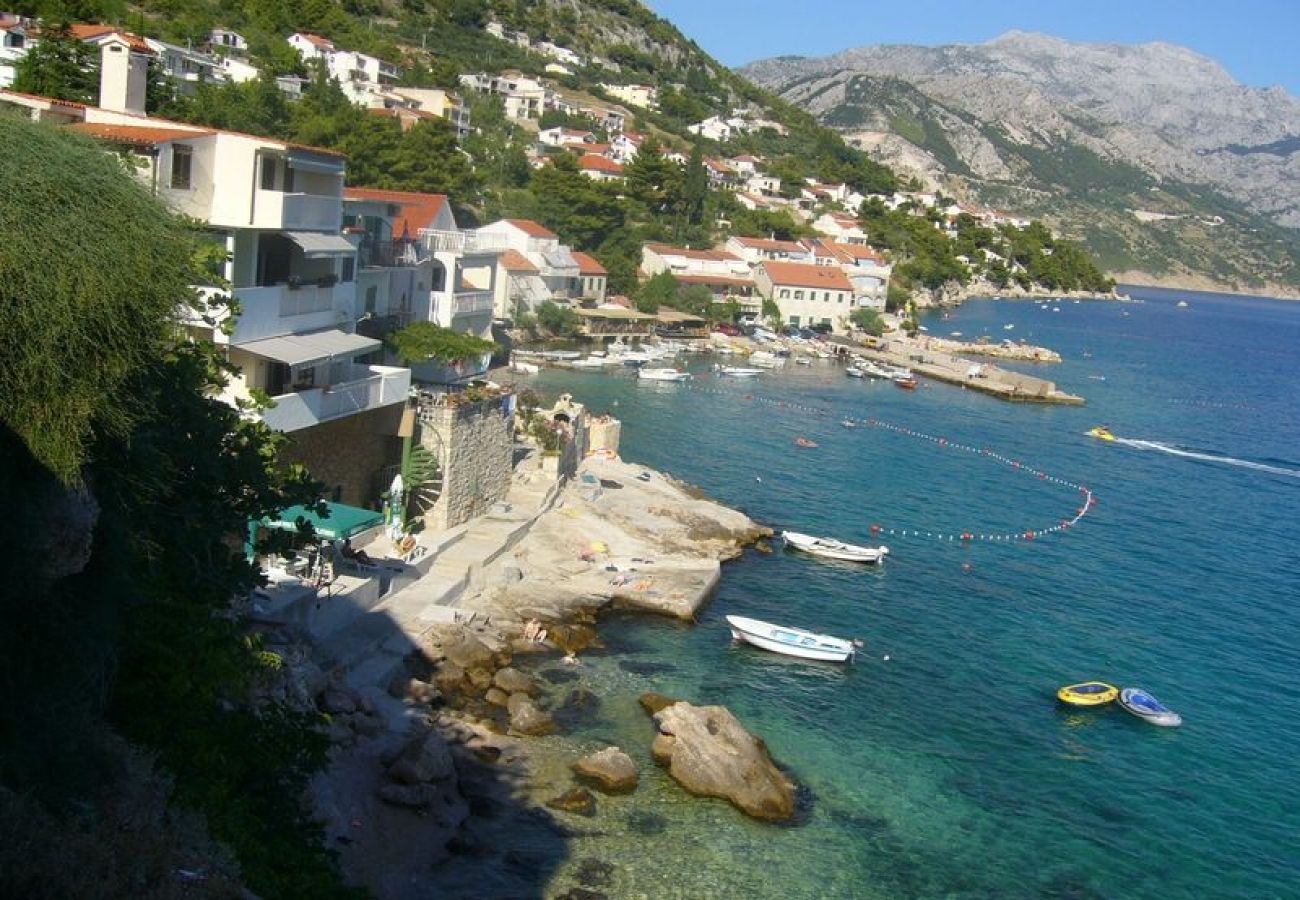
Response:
column 1153, row 153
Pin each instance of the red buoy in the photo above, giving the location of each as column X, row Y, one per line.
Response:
column 875, row 529
column 967, row 536
column 1029, row 535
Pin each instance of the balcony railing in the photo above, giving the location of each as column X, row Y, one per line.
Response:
column 278, row 210
column 467, row 303
column 369, row 387
column 478, row 242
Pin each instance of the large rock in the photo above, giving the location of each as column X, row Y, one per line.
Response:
column 425, row 758
column 465, row 650
column 527, row 718
column 512, row 681
column 652, row 702
column 611, row 770
column 711, row 754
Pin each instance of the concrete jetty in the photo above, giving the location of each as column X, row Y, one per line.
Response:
column 953, row 369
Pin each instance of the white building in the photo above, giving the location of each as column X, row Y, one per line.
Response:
column 276, row 210
column 714, row 128
column 807, row 294
column 358, row 74
column 238, row 70
column 227, row 41
column 756, row 250
column 840, row 227
column 600, row 168
column 422, row 103
column 14, row 43
column 563, row 54
column 186, row 67
column 523, row 97
column 645, row 96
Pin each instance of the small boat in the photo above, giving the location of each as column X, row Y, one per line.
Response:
column 1089, row 693
column 802, row 361
column 1101, row 433
column 790, row 641
column 876, row 370
column 524, row 368
column 907, row 383
column 848, row 423
column 804, row 442
column 737, row 371
column 1008, row 327
column 833, row 549
column 662, row 374
column 1181, row 304
column 588, row 362
column 1145, row 706
column 855, row 372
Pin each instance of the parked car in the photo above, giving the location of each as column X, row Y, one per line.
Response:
column 728, row 330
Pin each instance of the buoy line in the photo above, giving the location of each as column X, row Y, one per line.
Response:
column 1087, row 498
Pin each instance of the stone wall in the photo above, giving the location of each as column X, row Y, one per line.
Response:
column 349, row 454
column 604, row 433
column 474, row 446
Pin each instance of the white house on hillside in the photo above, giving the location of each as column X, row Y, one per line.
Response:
column 806, row 294
column 643, row 95
column 523, row 97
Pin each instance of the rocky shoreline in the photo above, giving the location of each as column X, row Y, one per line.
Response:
column 954, row 294
column 442, row 782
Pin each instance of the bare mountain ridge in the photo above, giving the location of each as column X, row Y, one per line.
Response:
column 1153, row 153
column 1171, row 112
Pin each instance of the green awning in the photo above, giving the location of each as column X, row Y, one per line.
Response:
column 342, row 522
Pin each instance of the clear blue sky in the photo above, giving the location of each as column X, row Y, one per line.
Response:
column 1257, row 41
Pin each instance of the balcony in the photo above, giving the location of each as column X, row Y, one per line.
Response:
column 467, row 303
column 368, row 387
column 281, row 309
column 280, row 211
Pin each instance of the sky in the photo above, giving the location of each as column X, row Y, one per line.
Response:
column 1257, row 41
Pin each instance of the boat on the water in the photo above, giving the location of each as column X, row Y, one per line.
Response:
column 833, row 549
column 1101, row 433
column 1145, row 706
column 804, row 442
column 524, row 368
column 907, row 383
column 1088, row 693
column 737, row 371
column 649, row 373
column 790, row 641
column 588, row 362
column 855, row 372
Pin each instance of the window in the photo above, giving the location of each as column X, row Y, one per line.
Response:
column 349, row 269
column 181, row 158
column 785, row 293
column 269, row 164
column 798, row 295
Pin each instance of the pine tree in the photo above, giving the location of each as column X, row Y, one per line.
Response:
column 59, row 66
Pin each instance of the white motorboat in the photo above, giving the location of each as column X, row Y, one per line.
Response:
column 876, row 370
column 737, row 371
column 833, row 549
column 648, row 373
column 802, row 361
column 765, row 359
column 524, row 368
column 790, row 641
column 1145, row 706
column 588, row 362
column 855, row 372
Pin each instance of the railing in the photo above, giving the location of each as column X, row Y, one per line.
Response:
column 467, row 303
column 276, row 209
column 305, row 299
column 379, row 386
column 478, row 242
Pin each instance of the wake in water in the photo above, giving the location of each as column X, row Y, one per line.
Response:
column 1204, row 456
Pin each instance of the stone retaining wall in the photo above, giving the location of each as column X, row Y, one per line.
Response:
column 473, row 443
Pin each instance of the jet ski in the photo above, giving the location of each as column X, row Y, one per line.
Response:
column 1101, row 433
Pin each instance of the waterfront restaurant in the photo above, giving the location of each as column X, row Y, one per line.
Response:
column 607, row 321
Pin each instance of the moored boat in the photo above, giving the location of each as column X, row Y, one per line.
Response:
column 804, row 442
column 907, row 383
column 649, row 373
column 588, row 362
column 1088, row 693
column 737, row 371
column 833, row 549
column 790, row 641
column 1145, row 706
column 855, row 372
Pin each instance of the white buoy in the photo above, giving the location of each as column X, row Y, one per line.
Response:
column 886, row 657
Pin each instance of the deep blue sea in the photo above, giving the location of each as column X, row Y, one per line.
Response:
column 939, row 764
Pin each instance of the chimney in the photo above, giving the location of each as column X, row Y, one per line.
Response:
column 122, row 76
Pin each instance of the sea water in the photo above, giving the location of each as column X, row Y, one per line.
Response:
column 939, row 763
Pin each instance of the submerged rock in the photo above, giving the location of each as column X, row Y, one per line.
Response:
column 710, row 753
column 579, row 801
column 610, row 770
column 527, row 718
column 652, row 702
column 512, row 681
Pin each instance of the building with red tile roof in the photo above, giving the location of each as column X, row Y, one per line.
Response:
column 600, row 168
column 415, row 211
column 807, row 294
column 514, row 261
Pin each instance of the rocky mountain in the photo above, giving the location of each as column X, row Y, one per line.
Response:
column 1152, row 153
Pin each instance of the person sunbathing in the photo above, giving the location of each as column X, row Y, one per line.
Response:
column 360, row 556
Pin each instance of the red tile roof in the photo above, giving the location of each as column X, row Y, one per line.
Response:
column 417, row 210
column 514, row 261
column 51, row 100
column 588, row 264
column 717, row 280
column 771, row 245
column 829, row 278
column 317, row 41
column 593, row 163
column 710, row 255
column 142, row 135
column 531, row 228
column 84, row 32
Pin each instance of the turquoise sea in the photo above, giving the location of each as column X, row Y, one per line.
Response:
column 939, row 764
